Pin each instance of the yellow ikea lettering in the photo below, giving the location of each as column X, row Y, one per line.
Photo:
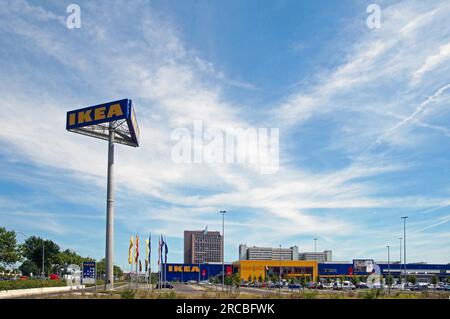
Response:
column 195, row 269
column 187, row 269
column 115, row 110
column 99, row 113
column 170, row 268
column 177, row 268
column 72, row 118
column 84, row 116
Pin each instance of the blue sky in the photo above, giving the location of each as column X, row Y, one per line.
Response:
column 363, row 117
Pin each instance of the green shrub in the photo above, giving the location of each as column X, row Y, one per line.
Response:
column 31, row 283
column 309, row 294
column 371, row 294
column 128, row 294
column 167, row 295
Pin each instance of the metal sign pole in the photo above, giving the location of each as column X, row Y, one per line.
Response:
column 109, row 280
column 91, row 121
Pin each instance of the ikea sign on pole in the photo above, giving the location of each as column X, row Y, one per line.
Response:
column 93, row 120
column 115, row 122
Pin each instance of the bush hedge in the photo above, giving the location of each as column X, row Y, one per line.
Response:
column 31, row 283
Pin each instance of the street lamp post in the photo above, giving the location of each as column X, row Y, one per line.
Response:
column 404, row 247
column 279, row 275
column 389, row 270
column 223, row 212
column 315, row 254
column 43, row 262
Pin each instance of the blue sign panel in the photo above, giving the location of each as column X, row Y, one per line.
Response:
column 86, row 121
column 89, row 269
column 101, row 113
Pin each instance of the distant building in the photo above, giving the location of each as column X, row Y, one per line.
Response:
column 202, row 247
column 267, row 253
column 274, row 253
column 317, row 256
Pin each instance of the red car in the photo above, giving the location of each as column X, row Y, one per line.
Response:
column 54, row 277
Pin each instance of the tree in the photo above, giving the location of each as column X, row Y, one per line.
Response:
column 355, row 279
column 412, row 279
column 389, row 280
column 291, row 282
column 101, row 269
column 236, row 281
column 434, row 280
column 260, row 278
column 228, row 281
column 9, row 250
column 68, row 257
column 28, row 267
column 249, row 279
column 32, row 250
column 303, row 281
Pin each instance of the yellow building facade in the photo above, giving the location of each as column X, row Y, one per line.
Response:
column 267, row 268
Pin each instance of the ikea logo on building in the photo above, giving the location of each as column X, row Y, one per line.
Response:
column 183, row 268
column 97, row 114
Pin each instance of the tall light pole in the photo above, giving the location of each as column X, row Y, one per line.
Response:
column 279, row 276
column 315, row 254
column 109, row 251
column 389, row 270
column 400, row 242
column 223, row 212
column 404, row 247
column 315, row 249
column 43, row 262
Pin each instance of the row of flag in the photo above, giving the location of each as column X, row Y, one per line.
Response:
column 162, row 250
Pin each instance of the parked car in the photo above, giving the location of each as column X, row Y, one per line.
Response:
column 345, row 285
column 328, row 285
column 276, row 285
column 362, row 285
column 294, row 286
column 418, row 287
column 314, row 285
column 165, row 284
column 443, row 287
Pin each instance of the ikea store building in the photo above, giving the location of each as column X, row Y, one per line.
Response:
column 302, row 268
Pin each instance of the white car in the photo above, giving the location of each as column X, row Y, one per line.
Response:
column 345, row 285
column 328, row 285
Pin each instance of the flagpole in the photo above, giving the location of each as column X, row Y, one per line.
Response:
column 137, row 260
column 159, row 264
column 165, row 261
column 131, row 273
column 150, row 261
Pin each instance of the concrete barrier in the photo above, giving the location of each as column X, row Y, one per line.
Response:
column 36, row 291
